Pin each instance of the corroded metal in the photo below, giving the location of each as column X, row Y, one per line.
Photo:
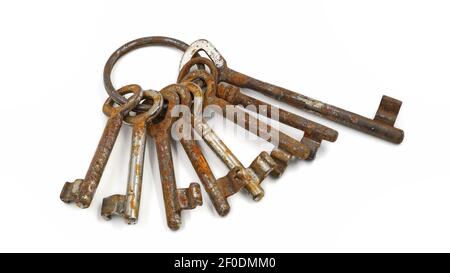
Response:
column 284, row 142
column 218, row 189
column 381, row 126
column 314, row 132
column 127, row 206
column 82, row 191
column 258, row 170
column 175, row 200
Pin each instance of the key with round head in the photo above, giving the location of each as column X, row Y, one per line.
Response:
column 82, row 191
column 127, row 206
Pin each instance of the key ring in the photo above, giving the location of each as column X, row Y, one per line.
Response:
column 128, row 47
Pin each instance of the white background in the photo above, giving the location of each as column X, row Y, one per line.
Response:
column 360, row 194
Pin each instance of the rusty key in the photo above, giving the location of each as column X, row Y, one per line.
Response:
column 82, row 191
column 218, row 189
column 175, row 200
column 127, row 205
column 382, row 126
column 258, row 170
column 286, row 145
column 314, row 132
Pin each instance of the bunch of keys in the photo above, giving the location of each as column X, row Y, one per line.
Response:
column 202, row 83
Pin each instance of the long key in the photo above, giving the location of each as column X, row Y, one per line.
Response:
column 82, row 191
column 258, row 170
column 175, row 200
column 127, row 206
column 285, row 144
column 382, row 126
column 218, row 189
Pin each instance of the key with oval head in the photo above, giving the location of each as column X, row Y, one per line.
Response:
column 258, row 170
column 175, row 200
column 382, row 126
column 285, row 144
column 218, row 189
column 127, row 205
column 82, row 191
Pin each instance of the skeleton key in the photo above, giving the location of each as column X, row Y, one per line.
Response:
column 258, row 170
column 82, row 191
column 287, row 146
column 127, row 205
column 218, row 190
column 314, row 132
column 382, row 126
column 175, row 200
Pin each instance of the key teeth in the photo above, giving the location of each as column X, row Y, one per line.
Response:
column 233, row 182
column 70, row 193
column 190, row 198
column 312, row 145
column 282, row 159
column 388, row 110
column 113, row 205
column 263, row 165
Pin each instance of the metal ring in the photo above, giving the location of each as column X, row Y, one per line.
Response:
column 128, row 47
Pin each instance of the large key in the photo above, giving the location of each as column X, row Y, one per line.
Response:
column 218, row 189
column 258, row 170
column 127, row 206
column 82, row 191
column 286, row 147
column 175, row 200
column 382, row 126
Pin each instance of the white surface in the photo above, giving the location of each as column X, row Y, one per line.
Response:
column 360, row 194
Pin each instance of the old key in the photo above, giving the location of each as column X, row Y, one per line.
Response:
column 286, row 146
column 258, row 170
column 218, row 189
column 127, row 205
column 175, row 200
column 314, row 132
column 82, row 191
column 382, row 126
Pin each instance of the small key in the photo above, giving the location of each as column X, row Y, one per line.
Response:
column 258, row 170
column 127, row 205
column 175, row 200
column 218, row 189
column 82, row 191
column 382, row 126
column 286, row 144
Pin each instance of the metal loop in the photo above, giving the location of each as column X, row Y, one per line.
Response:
column 128, row 47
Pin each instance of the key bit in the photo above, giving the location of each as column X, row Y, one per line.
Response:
column 379, row 127
column 127, row 206
column 82, row 191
